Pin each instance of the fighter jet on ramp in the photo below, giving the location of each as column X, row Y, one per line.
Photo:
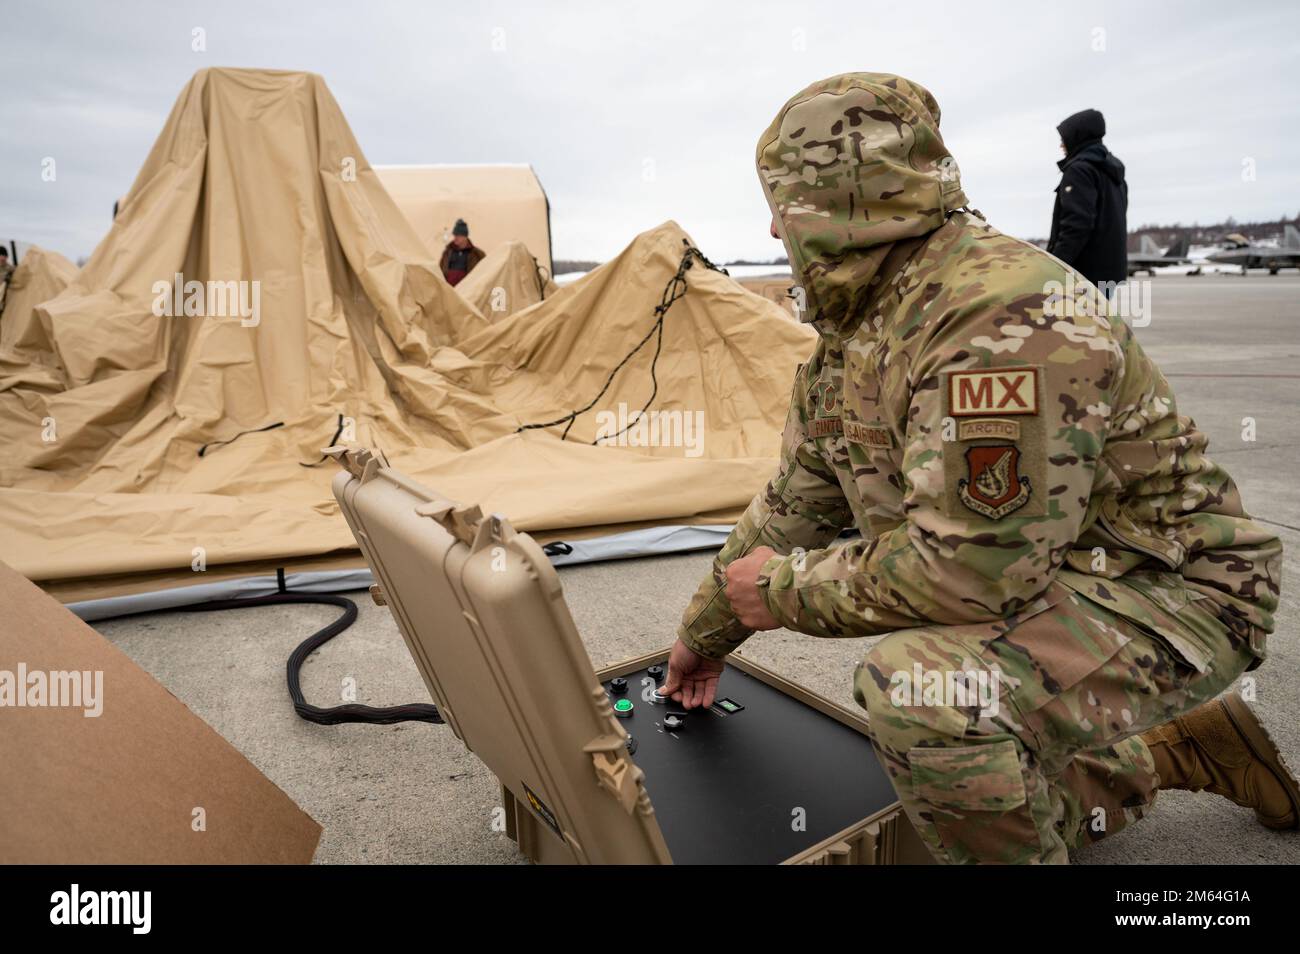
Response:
column 1149, row 257
column 1241, row 251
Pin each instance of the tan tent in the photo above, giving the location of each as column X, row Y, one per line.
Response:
column 260, row 296
column 500, row 203
column 508, row 280
column 775, row 288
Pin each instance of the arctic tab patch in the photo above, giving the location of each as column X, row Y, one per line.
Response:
column 993, row 485
column 994, row 392
column 988, row 428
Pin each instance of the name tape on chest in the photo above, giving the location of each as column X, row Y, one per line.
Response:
column 870, row 435
column 825, row 426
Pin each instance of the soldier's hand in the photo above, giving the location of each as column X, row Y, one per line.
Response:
column 692, row 678
column 742, row 589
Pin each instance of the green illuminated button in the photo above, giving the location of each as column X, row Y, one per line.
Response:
column 623, row 708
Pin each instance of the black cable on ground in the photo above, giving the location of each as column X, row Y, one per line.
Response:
column 333, row 715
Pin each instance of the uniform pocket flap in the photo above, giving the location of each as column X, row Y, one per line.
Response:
column 976, row 778
column 1162, row 605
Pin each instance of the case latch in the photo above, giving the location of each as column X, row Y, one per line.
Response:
column 360, row 462
column 461, row 522
column 615, row 773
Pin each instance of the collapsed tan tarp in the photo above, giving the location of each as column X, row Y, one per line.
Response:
column 500, row 203
column 158, row 444
column 25, row 347
column 506, row 281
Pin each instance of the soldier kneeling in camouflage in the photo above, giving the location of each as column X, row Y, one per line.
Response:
column 1034, row 513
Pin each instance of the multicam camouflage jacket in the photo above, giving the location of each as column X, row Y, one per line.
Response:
column 996, row 440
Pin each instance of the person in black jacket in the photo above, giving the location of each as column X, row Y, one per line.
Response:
column 1089, row 226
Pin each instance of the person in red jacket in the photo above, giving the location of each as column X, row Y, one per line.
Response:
column 461, row 255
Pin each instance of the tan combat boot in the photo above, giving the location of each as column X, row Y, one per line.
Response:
column 1222, row 747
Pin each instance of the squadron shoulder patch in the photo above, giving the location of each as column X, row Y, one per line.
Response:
column 996, row 392
column 995, row 442
column 993, row 485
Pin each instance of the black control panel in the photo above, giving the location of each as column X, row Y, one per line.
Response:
column 754, row 779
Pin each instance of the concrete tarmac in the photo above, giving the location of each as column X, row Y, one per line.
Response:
column 412, row 793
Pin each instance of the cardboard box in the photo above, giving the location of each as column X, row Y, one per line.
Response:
column 100, row 764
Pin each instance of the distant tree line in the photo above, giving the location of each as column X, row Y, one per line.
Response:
column 778, row 260
column 1163, row 235
column 1197, row 234
column 563, row 265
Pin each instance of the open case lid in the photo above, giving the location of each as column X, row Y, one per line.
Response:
column 483, row 614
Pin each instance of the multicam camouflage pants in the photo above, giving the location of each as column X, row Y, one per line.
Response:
column 1055, row 761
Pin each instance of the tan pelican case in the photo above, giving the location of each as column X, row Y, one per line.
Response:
column 771, row 773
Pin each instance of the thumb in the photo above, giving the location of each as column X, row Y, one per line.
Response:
column 673, row 682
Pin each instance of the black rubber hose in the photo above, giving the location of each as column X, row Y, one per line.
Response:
column 351, row 712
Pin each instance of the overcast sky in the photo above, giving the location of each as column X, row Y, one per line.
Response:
column 593, row 95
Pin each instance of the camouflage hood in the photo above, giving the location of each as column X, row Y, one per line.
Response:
column 850, row 166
